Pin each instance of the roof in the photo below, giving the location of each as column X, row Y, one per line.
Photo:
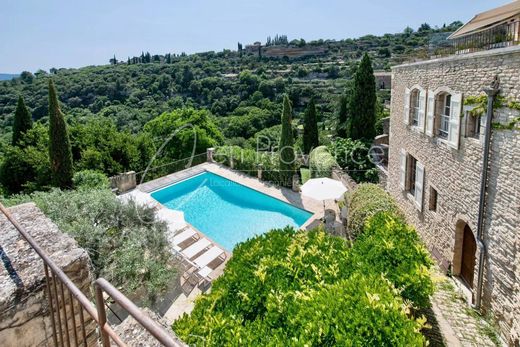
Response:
column 488, row 19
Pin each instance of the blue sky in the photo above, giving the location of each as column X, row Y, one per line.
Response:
column 57, row 33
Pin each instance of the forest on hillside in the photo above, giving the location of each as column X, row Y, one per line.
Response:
column 118, row 113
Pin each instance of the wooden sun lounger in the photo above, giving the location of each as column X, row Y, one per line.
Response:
column 196, row 248
column 208, row 256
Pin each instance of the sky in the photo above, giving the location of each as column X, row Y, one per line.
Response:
column 36, row 34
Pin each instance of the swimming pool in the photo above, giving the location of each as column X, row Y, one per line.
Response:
column 226, row 211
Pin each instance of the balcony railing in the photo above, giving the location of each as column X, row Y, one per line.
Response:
column 67, row 303
column 499, row 36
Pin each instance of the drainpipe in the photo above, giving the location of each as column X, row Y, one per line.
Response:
column 491, row 94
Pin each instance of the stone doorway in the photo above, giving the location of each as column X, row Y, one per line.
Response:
column 467, row 261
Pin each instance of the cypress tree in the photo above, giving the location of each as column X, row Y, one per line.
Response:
column 22, row 121
column 341, row 129
column 60, row 153
column 286, row 151
column 362, row 105
column 310, row 128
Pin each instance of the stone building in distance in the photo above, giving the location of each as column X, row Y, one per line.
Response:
column 455, row 171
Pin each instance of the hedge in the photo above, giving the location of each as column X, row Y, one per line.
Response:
column 296, row 288
column 90, row 179
column 364, row 202
column 321, row 162
column 388, row 246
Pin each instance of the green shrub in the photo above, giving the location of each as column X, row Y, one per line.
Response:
column 248, row 161
column 388, row 246
column 126, row 244
column 306, row 174
column 295, row 288
column 90, row 179
column 364, row 202
column 321, row 162
column 353, row 157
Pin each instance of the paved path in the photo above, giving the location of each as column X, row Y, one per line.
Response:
column 459, row 323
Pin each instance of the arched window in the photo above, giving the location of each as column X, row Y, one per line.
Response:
column 414, row 107
column 443, row 115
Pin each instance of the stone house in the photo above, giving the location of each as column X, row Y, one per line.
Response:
column 437, row 146
column 383, row 80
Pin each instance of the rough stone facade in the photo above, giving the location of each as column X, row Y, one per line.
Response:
column 455, row 174
column 24, row 310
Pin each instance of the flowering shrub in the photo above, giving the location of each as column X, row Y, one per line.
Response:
column 295, row 288
column 388, row 246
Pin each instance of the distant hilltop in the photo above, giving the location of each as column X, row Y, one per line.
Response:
column 7, row 76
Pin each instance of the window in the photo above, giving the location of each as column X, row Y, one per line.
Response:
column 412, row 166
column 444, row 127
column 443, row 116
column 412, row 178
column 473, row 125
column 415, row 107
column 433, row 199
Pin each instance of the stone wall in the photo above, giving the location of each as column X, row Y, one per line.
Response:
column 24, row 310
column 123, row 182
column 455, row 174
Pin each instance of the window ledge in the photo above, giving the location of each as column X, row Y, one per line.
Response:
column 416, row 129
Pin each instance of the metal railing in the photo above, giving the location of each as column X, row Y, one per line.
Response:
column 67, row 304
column 500, row 36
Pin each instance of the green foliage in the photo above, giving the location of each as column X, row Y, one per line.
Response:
column 305, row 174
column 362, row 103
column 188, row 129
column 60, row 153
column 353, row 157
column 126, row 244
column 22, row 121
column 296, row 288
column 388, row 246
column 321, row 162
column 90, row 179
column 287, row 155
column 366, row 201
column 341, row 128
column 26, row 167
column 249, row 160
column 310, row 129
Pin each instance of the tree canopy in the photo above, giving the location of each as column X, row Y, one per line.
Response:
column 22, row 121
column 59, row 144
column 362, row 104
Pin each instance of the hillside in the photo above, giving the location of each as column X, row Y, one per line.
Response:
column 131, row 92
column 7, row 76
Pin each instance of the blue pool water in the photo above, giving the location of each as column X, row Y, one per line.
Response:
column 226, row 211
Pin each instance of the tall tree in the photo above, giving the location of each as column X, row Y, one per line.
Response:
column 341, row 129
column 60, row 154
column 22, row 121
column 362, row 104
column 286, row 151
column 310, row 128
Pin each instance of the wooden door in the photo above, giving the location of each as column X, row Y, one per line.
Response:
column 469, row 247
